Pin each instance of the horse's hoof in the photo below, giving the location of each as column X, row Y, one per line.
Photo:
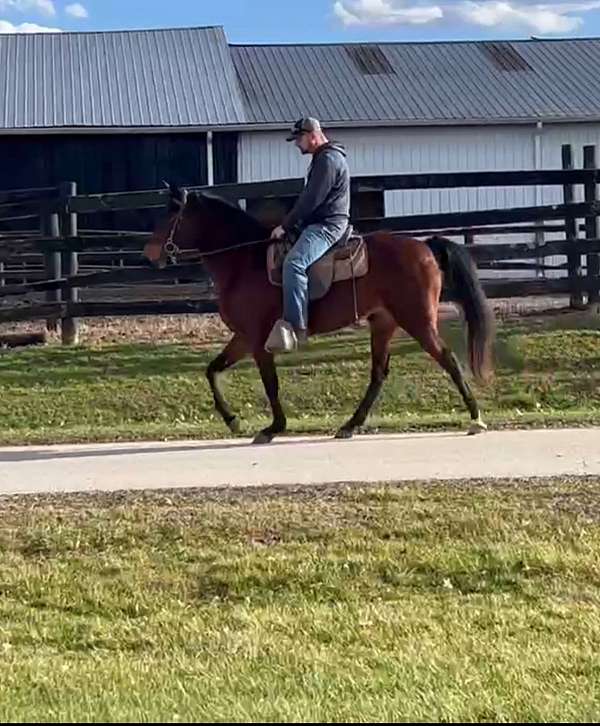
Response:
column 234, row 425
column 477, row 427
column 344, row 434
column 263, row 438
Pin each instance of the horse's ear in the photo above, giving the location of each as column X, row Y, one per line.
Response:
column 177, row 197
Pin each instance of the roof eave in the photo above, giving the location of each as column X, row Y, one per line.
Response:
column 280, row 125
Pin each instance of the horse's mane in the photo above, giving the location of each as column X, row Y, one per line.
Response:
column 240, row 227
column 245, row 225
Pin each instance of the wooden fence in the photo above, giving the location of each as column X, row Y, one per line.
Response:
column 51, row 269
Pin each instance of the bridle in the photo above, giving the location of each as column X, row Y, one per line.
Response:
column 170, row 248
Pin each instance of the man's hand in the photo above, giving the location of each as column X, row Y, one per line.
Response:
column 278, row 233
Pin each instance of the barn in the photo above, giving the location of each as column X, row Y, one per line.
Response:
column 119, row 111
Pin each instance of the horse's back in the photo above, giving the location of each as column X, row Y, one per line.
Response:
column 390, row 250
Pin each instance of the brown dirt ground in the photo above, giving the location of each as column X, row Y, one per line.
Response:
column 209, row 330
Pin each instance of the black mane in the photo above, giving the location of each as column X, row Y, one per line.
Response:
column 245, row 227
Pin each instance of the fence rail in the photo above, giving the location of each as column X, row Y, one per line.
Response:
column 388, row 182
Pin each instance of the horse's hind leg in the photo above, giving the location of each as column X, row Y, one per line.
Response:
column 383, row 327
column 235, row 351
column 431, row 341
column 268, row 374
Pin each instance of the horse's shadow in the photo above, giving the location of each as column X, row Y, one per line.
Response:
column 49, row 454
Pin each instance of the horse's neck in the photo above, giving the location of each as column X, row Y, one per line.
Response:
column 226, row 267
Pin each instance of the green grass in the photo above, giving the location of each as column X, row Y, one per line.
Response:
column 424, row 602
column 545, row 377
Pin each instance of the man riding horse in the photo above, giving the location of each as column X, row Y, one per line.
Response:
column 317, row 222
column 401, row 289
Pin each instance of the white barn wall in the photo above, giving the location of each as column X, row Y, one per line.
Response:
column 265, row 155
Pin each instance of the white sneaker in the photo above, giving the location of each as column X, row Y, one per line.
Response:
column 282, row 339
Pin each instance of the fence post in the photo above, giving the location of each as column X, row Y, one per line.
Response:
column 50, row 227
column 539, row 241
column 592, row 228
column 574, row 260
column 70, row 262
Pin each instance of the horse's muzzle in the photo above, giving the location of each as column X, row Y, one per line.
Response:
column 155, row 256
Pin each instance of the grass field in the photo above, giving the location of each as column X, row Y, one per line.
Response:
column 548, row 374
column 422, row 602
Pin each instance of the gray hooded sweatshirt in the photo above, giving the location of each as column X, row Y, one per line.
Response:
column 326, row 197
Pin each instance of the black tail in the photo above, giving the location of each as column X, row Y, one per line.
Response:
column 462, row 285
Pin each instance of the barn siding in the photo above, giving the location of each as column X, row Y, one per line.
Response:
column 265, row 155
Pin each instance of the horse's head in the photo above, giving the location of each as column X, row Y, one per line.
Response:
column 204, row 223
column 180, row 232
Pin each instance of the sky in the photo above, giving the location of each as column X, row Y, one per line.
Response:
column 315, row 21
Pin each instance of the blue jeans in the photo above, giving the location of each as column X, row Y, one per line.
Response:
column 315, row 241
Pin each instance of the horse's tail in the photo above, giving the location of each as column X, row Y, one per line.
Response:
column 462, row 286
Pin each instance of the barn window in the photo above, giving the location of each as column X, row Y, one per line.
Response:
column 370, row 60
column 505, row 57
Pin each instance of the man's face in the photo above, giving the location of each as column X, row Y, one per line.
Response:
column 308, row 142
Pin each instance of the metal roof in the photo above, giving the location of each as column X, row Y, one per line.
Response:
column 118, row 79
column 191, row 77
column 483, row 82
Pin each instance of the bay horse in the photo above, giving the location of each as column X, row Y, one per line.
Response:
column 402, row 289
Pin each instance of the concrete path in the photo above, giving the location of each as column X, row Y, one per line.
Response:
column 115, row 467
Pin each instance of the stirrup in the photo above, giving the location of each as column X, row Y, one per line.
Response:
column 282, row 338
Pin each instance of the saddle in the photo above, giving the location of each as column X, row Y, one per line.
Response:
column 348, row 259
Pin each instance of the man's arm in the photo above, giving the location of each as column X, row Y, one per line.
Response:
column 319, row 185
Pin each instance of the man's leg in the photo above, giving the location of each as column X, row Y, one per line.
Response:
column 313, row 243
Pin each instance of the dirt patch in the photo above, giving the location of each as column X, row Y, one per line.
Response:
column 210, row 330
column 196, row 329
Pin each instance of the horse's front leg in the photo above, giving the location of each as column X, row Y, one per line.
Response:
column 235, row 351
column 268, row 373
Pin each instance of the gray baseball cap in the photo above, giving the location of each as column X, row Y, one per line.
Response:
column 304, row 126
